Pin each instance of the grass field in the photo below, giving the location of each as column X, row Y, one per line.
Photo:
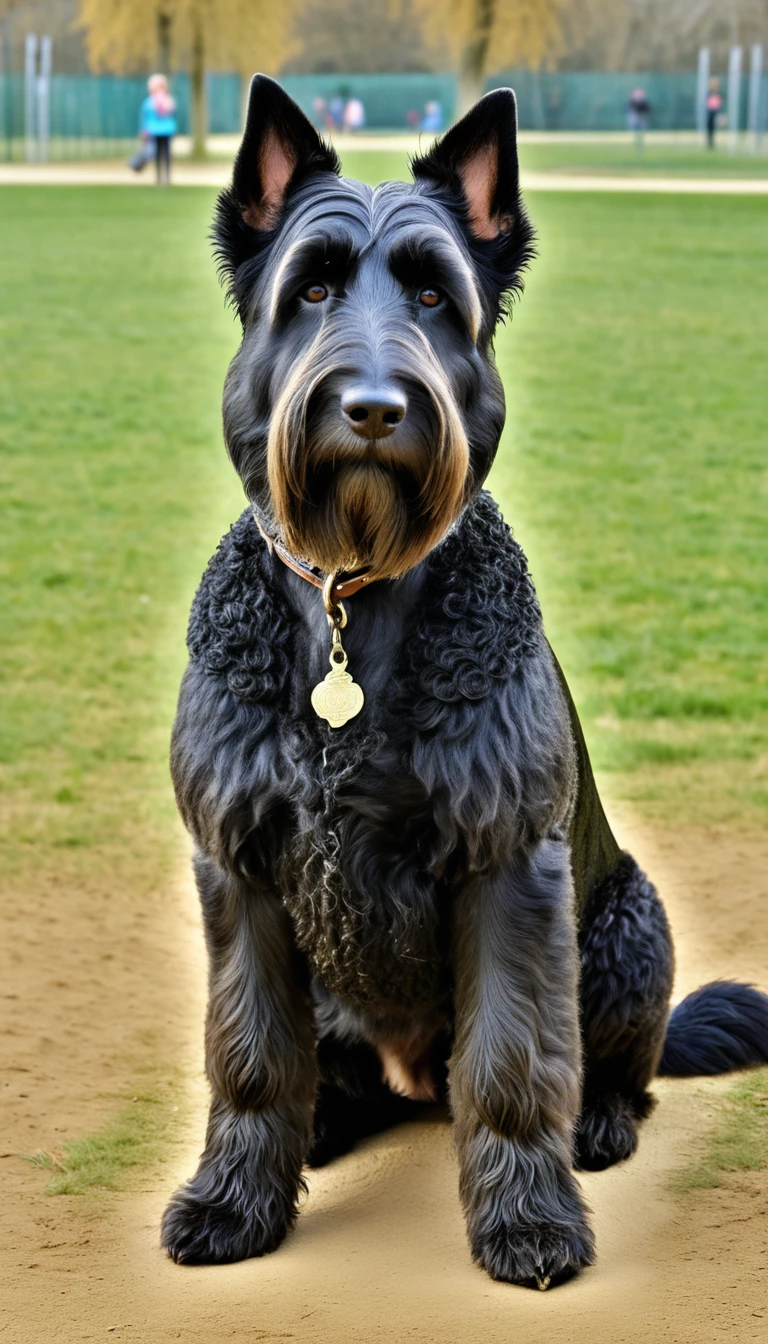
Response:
column 653, row 157
column 633, row 469
column 115, row 342
column 607, row 154
column 599, row 158
column 739, row 1141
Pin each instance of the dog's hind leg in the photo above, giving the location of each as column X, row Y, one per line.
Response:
column 626, row 979
column 514, row 1074
column 260, row 1060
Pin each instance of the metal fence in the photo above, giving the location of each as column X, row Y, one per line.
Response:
column 96, row 116
column 569, row 101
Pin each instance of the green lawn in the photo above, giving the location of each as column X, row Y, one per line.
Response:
column 602, row 158
column 683, row 160
column 633, row 469
column 737, row 1144
column 114, row 345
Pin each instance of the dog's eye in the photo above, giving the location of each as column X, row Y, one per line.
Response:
column 429, row 297
column 315, row 293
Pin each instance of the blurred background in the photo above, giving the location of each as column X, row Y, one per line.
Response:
column 633, row 469
column 73, row 70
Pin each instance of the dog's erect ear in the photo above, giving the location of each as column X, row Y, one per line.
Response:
column 477, row 160
column 279, row 147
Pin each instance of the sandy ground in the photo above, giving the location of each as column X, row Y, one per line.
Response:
column 187, row 174
column 379, row 1252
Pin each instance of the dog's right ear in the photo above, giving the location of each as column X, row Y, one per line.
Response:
column 476, row 161
column 280, row 146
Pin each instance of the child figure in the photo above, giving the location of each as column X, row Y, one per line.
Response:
column 714, row 108
column 158, row 124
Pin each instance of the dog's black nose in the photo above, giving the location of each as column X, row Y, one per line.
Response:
column 373, row 412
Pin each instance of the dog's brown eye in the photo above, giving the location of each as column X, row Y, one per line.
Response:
column 315, row 293
column 429, row 297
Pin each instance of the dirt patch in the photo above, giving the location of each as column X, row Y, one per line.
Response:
column 219, row 174
column 103, row 986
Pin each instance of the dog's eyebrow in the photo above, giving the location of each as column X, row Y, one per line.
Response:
column 438, row 257
column 315, row 252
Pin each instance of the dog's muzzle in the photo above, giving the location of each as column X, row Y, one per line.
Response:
column 367, row 471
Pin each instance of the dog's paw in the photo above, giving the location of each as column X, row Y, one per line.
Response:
column 541, row 1255
column 199, row 1229
column 606, row 1133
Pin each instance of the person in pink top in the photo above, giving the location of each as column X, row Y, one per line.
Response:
column 714, row 108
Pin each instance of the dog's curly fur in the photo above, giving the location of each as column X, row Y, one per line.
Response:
column 478, row 622
column 428, row 903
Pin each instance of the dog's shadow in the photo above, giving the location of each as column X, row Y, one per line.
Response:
column 392, row 1175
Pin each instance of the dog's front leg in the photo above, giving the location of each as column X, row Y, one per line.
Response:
column 514, row 1075
column 260, row 1060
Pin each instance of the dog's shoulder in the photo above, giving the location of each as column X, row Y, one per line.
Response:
column 480, row 622
column 238, row 629
column 491, row 730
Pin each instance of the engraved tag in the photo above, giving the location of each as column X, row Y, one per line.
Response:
column 337, row 698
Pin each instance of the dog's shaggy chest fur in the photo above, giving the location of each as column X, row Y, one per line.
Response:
column 370, row 913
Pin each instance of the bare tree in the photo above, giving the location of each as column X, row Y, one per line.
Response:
column 199, row 35
column 332, row 36
column 491, row 35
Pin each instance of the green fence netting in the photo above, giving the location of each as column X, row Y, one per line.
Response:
column 92, row 114
column 98, row 115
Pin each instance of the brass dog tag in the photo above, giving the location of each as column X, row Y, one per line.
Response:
column 337, row 698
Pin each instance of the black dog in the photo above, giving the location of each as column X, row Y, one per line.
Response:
column 428, row 899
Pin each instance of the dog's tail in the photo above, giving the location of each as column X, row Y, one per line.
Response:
column 720, row 1027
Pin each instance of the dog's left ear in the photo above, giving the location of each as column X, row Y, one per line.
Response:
column 477, row 161
column 280, row 146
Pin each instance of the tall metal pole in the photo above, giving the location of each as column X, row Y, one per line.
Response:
column 30, row 66
column 754, row 107
column 702, row 89
column 8, row 109
column 734, row 97
column 44, row 100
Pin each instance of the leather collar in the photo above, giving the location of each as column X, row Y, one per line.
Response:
column 343, row 587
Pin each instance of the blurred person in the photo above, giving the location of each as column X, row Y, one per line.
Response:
column 320, row 113
column 158, row 124
column 638, row 114
column 144, row 154
column 433, row 116
column 336, row 112
column 714, row 108
column 354, row 115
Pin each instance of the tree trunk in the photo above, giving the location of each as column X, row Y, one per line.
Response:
column 197, row 80
column 164, row 43
column 474, row 55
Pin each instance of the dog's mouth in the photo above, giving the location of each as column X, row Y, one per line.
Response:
column 345, row 501
column 359, row 512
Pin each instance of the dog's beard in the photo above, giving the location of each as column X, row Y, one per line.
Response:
column 343, row 503
column 357, row 517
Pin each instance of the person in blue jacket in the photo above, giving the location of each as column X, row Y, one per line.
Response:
column 158, row 124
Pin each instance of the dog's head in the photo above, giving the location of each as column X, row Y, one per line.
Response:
column 363, row 408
